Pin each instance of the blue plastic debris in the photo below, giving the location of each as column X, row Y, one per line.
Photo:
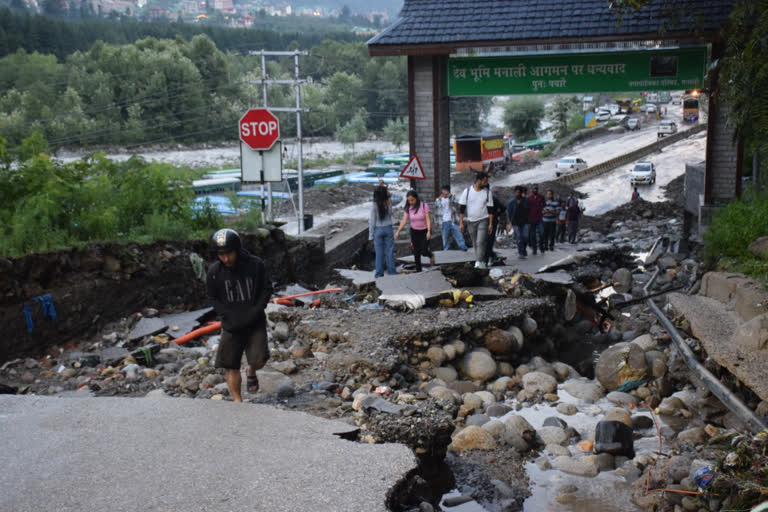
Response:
column 46, row 303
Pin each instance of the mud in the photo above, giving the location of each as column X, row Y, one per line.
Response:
column 327, row 200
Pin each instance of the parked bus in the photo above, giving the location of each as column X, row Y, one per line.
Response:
column 690, row 109
column 477, row 151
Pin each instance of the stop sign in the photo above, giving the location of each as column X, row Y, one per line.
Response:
column 259, row 128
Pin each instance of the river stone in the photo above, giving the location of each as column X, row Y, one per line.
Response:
column 645, row 342
column 529, row 326
column 554, row 421
column 495, row 427
column 620, row 415
column 522, row 370
column 667, row 261
column 580, row 467
column 446, row 373
column 516, row 442
column 619, row 398
column 436, row 355
column 614, row 437
column 477, row 420
column 553, row 435
column 497, row 410
column 473, row 438
column 506, row 369
column 567, row 409
column 564, row 371
column 459, row 346
column 620, row 363
column 557, row 450
column 569, row 306
column 671, row 406
column 285, row 391
column 759, row 247
column 442, row 393
column 657, row 362
column 695, row 436
column 501, row 342
column 678, row 467
column 472, row 401
column 464, row 386
column 270, row 381
column 450, row 352
column 622, row 279
column 604, row 461
column 538, row 382
column 519, row 426
column 281, row 331
column 584, row 389
column 543, row 463
column 487, row 398
column 752, row 335
column 479, row 366
column 501, row 384
column 640, row 422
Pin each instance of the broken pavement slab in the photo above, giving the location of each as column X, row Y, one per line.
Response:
column 126, row 454
column 147, row 327
column 186, row 322
column 359, row 278
column 413, row 290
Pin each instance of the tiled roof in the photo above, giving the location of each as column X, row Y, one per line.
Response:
column 452, row 22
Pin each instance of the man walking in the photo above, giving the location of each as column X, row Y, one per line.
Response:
column 551, row 211
column 517, row 214
column 572, row 219
column 238, row 288
column 535, row 219
column 449, row 229
column 476, row 203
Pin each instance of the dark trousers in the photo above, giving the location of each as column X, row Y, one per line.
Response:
column 420, row 246
column 549, row 235
column 561, row 232
column 536, row 236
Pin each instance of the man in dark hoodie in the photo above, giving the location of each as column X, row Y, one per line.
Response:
column 238, row 288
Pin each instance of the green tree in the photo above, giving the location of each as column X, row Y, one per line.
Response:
column 561, row 111
column 396, row 131
column 353, row 131
column 467, row 113
column 523, row 116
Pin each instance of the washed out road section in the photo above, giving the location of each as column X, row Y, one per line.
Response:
column 120, row 454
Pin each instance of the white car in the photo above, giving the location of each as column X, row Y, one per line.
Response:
column 603, row 115
column 643, row 173
column 633, row 123
column 666, row 128
column 650, row 108
column 612, row 108
column 569, row 164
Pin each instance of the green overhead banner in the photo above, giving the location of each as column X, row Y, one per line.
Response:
column 646, row 70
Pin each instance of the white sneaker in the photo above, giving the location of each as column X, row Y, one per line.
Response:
column 477, row 264
column 481, row 265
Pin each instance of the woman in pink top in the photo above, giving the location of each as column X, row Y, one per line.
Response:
column 421, row 228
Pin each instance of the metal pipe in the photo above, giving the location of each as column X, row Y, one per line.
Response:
column 728, row 399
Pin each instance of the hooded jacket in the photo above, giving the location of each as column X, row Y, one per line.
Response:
column 239, row 294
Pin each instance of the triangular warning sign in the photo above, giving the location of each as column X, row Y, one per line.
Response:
column 414, row 170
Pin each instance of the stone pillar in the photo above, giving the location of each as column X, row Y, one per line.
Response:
column 429, row 125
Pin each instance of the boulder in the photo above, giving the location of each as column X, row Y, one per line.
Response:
column 622, row 280
column 538, row 382
column 437, row 355
column 446, row 373
column 495, row 427
column 497, row 410
column 752, row 335
column 645, row 342
column 760, row 247
column 506, row 369
column 450, row 352
column 564, row 371
column 503, row 342
column 567, row 409
column 519, row 426
column 620, row 363
column 442, row 393
column 501, row 384
column 557, row 450
column 553, row 435
column 584, row 389
column 619, row 398
column 529, row 325
column 620, row 415
column 657, row 362
column 670, row 406
column 487, row 398
column 694, row 437
column 270, row 381
column 580, row 467
column 473, row 438
column 472, row 401
column 477, row 420
column 479, row 366
column 614, row 437
column 554, row 421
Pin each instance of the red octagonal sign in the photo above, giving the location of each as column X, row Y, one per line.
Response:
column 259, row 128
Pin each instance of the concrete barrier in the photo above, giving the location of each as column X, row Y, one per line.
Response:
column 609, row 165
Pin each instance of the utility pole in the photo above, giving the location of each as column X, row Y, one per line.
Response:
column 296, row 82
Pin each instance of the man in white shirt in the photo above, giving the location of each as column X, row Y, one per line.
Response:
column 449, row 228
column 476, row 204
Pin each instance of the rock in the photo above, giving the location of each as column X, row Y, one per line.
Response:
column 554, row 421
column 620, row 363
column 281, row 331
column 529, row 326
column 614, row 437
column 477, row 420
column 463, row 386
column 455, row 501
column 566, row 498
column 584, row 389
column 667, row 261
column 519, row 426
column 270, row 381
column 191, row 384
column 156, row 393
column 502, row 342
column 497, row 410
column 285, row 367
column 446, row 373
column 619, row 398
column 487, row 398
column 553, row 435
column 645, row 342
column 149, row 373
column 495, row 427
column 437, row 355
column 693, row 437
column 759, row 247
column 442, row 393
column 752, row 335
column 569, row 306
column 543, row 463
column 374, row 401
column 620, row 415
column 479, row 366
column 604, row 461
column 505, row 491
column 425, row 506
column 538, row 382
column 564, row 371
column 459, row 346
column 501, row 384
column 450, row 352
column 586, row 446
column 670, row 406
column 473, row 438
column 580, row 467
column 678, row 468
column 567, row 409
column 506, row 369
column 640, row 422
column 521, row 370
column 689, row 504
column 557, row 450
column 622, row 280
column 285, row 391
column 516, row 442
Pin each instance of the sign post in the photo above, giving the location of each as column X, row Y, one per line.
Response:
column 259, row 129
column 413, row 170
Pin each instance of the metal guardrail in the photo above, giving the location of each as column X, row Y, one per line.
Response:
column 609, row 165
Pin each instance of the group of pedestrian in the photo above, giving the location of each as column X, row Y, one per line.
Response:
column 539, row 221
